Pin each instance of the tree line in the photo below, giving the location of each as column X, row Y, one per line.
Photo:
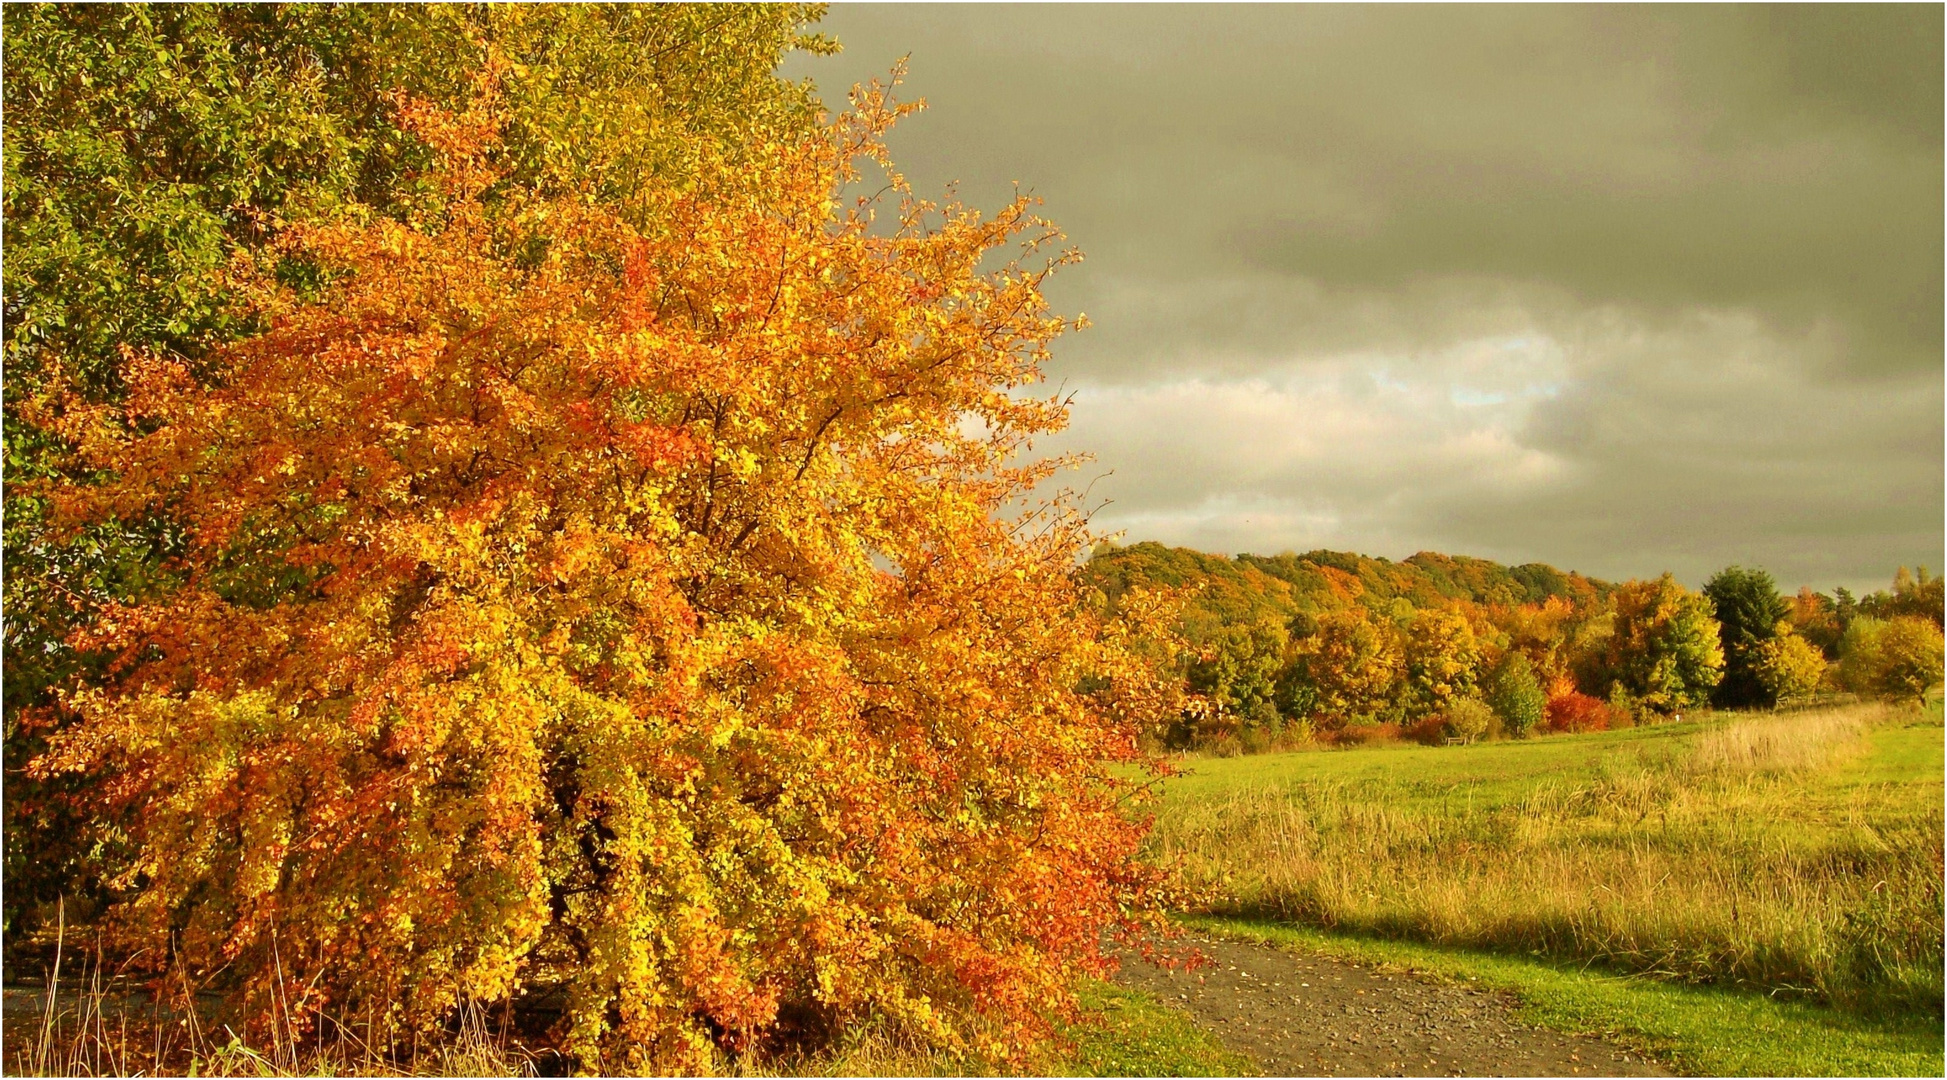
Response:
column 1337, row 645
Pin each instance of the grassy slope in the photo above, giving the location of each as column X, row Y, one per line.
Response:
column 1884, row 791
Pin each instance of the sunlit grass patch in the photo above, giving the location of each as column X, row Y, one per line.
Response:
column 1784, row 743
column 1748, row 852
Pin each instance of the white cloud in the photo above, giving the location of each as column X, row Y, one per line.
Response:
column 1321, row 452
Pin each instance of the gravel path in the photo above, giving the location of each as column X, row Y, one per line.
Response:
column 1296, row 1014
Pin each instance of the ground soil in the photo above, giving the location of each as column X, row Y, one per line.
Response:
column 1299, row 1014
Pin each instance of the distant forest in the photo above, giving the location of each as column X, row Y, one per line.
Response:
column 1341, row 646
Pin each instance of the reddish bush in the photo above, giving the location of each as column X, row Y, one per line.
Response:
column 1361, row 734
column 1577, row 712
column 1431, row 731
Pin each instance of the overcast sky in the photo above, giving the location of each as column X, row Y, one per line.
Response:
column 1620, row 290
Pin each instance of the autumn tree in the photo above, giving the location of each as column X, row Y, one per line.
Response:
column 1543, row 633
column 149, row 146
column 1818, row 619
column 1788, row 666
column 1915, row 593
column 618, row 602
column 1467, row 718
column 1441, row 657
column 1350, row 666
column 1748, row 610
column 1663, row 648
column 1910, row 659
column 1897, row 659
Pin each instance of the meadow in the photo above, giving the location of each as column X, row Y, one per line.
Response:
column 1798, row 855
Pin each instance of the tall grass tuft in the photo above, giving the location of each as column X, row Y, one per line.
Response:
column 1785, row 743
column 1683, row 865
column 102, row 1026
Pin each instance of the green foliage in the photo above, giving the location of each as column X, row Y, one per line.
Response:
column 1896, row 657
column 1748, row 610
column 1516, row 696
column 1664, row 647
column 1468, row 718
column 1238, row 671
column 150, row 145
column 1859, row 654
column 1226, row 591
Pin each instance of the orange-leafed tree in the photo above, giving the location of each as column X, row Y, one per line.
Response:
column 629, row 609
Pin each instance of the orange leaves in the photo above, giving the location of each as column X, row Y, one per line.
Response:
column 630, row 610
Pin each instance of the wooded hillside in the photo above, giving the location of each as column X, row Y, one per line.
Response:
column 1441, row 647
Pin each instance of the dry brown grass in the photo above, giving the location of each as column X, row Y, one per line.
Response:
column 98, row 1024
column 1786, row 742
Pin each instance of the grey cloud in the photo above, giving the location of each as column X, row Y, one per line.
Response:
column 1726, row 221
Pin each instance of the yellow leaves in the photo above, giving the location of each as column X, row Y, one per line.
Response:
column 661, row 614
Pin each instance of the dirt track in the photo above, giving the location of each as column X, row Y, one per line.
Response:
column 1296, row 1014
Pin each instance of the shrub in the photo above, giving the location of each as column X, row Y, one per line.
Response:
column 623, row 613
column 1624, row 710
column 1430, row 731
column 1576, row 711
column 1859, row 655
column 1909, row 661
column 149, row 148
column 1365, row 733
column 1468, row 718
column 1516, row 696
column 1894, row 659
column 1789, row 667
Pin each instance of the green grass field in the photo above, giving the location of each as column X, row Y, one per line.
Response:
column 1708, row 880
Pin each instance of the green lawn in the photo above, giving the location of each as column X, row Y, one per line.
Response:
column 1140, row 1036
column 1779, row 914
column 1449, row 778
